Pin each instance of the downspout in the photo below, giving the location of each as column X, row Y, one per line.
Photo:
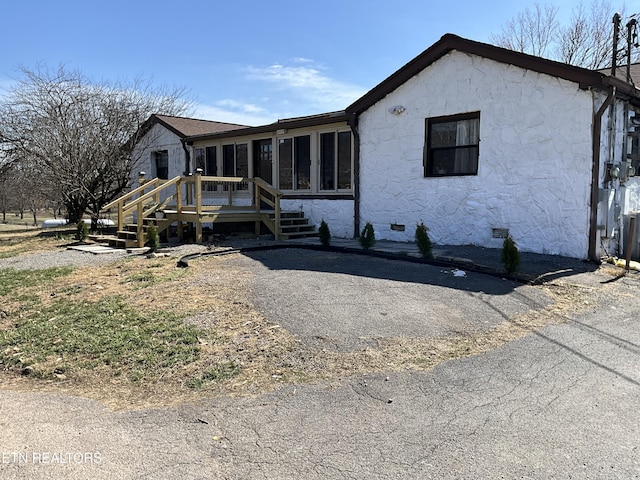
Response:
column 187, row 158
column 353, row 123
column 595, row 173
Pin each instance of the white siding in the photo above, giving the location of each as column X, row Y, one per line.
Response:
column 534, row 166
column 158, row 138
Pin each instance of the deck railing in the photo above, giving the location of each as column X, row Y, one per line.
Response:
column 198, row 194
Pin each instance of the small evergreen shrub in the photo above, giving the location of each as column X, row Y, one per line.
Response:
column 423, row 241
column 153, row 240
column 367, row 237
column 325, row 234
column 82, row 231
column 510, row 255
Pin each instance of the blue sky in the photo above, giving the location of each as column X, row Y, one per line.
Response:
column 242, row 61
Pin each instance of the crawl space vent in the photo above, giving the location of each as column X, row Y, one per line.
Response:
column 499, row 232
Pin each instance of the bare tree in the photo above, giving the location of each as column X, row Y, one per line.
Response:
column 585, row 41
column 77, row 136
column 531, row 31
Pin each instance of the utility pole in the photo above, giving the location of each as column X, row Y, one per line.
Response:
column 616, row 38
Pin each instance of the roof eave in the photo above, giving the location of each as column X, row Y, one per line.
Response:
column 284, row 124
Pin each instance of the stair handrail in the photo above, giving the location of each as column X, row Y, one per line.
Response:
column 126, row 196
column 151, row 195
column 260, row 185
column 138, row 202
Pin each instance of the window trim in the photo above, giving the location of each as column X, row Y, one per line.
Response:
column 313, row 135
column 295, row 162
column 427, row 154
column 336, row 155
column 161, row 172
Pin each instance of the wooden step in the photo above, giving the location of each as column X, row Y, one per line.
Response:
column 294, row 224
column 297, row 228
column 293, row 235
column 122, row 243
column 127, row 234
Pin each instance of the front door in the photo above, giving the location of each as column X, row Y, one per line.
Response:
column 263, row 160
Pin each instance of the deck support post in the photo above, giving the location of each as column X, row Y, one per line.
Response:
column 140, row 226
column 198, row 189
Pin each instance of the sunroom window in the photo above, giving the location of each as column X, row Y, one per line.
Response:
column 206, row 159
column 235, row 162
column 294, row 167
column 335, row 161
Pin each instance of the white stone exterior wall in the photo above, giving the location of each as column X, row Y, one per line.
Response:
column 337, row 213
column 534, row 166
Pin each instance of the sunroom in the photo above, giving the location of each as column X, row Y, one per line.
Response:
column 308, row 160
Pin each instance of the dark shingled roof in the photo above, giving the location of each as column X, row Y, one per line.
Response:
column 187, row 127
column 286, row 123
column 621, row 72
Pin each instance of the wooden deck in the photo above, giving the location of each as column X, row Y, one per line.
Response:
column 197, row 200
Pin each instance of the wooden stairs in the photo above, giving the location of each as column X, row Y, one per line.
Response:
column 128, row 237
column 186, row 206
column 295, row 225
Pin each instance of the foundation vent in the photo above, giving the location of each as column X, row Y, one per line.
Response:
column 499, row 232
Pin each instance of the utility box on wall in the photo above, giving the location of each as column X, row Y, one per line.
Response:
column 635, row 244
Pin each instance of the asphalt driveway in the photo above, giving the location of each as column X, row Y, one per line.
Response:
column 345, row 301
column 558, row 403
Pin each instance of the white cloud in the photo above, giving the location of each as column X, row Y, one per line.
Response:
column 231, row 111
column 305, row 80
column 282, row 91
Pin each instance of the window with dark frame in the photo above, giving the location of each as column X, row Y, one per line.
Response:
column 205, row 159
column 235, row 162
column 161, row 159
column 294, row 163
column 452, row 145
column 335, row 161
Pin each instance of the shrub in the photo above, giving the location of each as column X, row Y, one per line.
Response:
column 325, row 234
column 153, row 240
column 368, row 236
column 510, row 255
column 82, row 231
column 423, row 241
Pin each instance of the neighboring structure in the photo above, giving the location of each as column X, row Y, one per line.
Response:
column 474, row 140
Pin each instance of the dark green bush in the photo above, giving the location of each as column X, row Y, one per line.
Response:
column 423, row 241
column 82, row 231
column 367, row 237
column 510, row 255
column 153, row 240
column 325, row 234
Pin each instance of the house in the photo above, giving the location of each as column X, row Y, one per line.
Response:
column 474, row 140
